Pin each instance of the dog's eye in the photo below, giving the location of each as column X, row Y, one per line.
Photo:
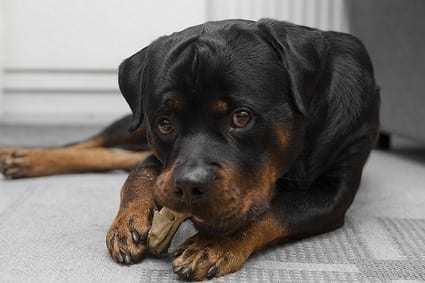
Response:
column 241, row 118
column 165, row 126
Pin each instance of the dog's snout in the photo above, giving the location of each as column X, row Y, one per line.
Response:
column 192, row 184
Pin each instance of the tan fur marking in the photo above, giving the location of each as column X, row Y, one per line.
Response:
column 282, row 137
column 134, row 216
column 93, row 142
column 34, row 163
column 174, row 104
column 220, row 107
column 265, row 232
column 229, row 253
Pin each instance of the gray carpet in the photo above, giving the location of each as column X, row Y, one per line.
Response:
column 53, row 228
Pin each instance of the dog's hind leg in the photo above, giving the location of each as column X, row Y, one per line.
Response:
column 116, row 135
column 89, row 155
column 35, row 163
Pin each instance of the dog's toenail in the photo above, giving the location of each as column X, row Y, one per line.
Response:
column 177, row 269
column 127, row 259
column 186, row 272
column 143, row 239
column 212, row 272
column 135, row 236
column 119, row 257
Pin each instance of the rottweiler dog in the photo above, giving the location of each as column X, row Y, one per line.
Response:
column 260, row 130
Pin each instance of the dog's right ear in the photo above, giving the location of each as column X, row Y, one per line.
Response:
column 131, row 83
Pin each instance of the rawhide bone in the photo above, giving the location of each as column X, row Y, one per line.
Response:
column 164, row 225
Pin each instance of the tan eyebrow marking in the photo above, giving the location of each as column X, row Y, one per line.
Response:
column 174, row 105
column 220, row 107
column 282, row 136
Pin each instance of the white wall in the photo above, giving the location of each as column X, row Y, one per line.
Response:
column 61, row 56
column 93, row 34
column 1, row 59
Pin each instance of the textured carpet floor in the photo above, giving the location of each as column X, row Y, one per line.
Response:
column 53, row 228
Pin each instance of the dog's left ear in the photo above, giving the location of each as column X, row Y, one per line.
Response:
column 303, row 51
column 131, row 82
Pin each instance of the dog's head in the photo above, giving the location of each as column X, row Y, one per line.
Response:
column 224, row 105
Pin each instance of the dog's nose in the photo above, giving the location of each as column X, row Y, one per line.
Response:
column 192, row 184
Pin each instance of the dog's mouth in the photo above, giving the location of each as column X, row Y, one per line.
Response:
column 197, row 219
column 219, row 218
column 228, row 205
column 218, row 228
column 226, row 225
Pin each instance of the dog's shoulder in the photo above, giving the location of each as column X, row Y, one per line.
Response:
column 348, row 47
column 347, row 86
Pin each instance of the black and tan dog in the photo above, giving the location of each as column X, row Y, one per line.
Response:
column 259, row 129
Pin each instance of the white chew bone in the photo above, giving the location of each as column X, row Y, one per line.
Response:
column 164, row 225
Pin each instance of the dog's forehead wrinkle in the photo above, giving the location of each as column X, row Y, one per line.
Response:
column 194, row 74
column 180, row 46
column 191, row 63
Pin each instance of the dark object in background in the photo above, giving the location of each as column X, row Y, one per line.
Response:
column 393, row 32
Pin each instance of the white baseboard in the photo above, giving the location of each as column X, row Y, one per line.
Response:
column 54, row 120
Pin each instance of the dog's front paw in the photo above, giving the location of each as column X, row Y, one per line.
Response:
column 127, row 239
column 200, row 257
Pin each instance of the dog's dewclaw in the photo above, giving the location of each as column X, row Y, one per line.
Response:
column 164, row 225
